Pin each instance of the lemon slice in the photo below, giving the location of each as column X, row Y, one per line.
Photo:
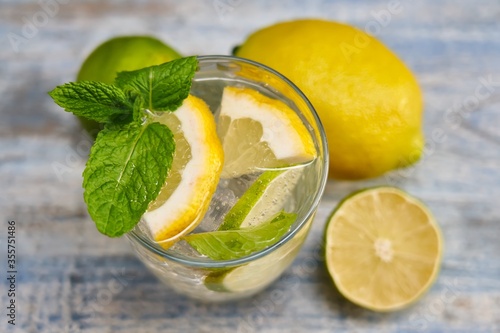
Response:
column 194, row 175
column 383, row 248
column 258, row 132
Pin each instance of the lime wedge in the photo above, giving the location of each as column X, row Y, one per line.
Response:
column 265, row 198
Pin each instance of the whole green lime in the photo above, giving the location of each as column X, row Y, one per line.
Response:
column 126, row 53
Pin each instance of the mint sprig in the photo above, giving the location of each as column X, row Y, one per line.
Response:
column 93, row 100
column 233, row 244
column 131, row 157
column 163, row 87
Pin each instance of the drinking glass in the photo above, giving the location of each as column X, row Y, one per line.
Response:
column 196, row 276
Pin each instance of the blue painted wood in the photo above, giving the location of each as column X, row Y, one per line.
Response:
column 71, row 279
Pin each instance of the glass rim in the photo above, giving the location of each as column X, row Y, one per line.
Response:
column 152, row 246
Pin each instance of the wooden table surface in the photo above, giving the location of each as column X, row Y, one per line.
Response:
column 72, row 279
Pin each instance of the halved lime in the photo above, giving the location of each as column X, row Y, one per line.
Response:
column 383, row 248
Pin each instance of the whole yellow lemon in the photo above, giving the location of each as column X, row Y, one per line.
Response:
column 368, row 100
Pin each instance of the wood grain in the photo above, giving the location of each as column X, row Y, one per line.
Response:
column 72, row 279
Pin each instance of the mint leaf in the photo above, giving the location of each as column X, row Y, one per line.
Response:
column 93, row 100
column 126, row 169
column 162, row 87
column 233, row 244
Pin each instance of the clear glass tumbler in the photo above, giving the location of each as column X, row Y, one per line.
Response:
column 202, row 278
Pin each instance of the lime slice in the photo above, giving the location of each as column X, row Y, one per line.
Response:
column 383, row 248
column 268, row 195
column 263, row 199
